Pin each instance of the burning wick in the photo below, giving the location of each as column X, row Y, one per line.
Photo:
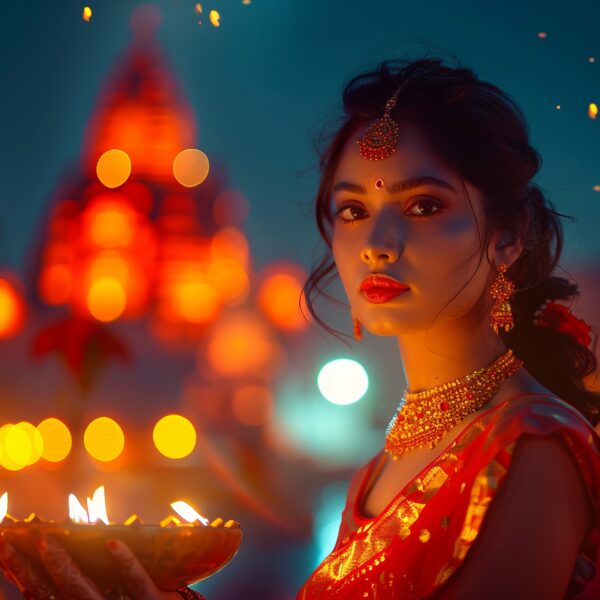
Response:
column 96, row 511
column 185, row 511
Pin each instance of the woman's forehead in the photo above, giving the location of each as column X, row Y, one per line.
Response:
column 413, row 157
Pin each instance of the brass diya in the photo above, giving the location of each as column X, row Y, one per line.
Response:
column 174, row 554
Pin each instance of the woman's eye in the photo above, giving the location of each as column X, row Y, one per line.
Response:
column 348, row 214
column 424, row 209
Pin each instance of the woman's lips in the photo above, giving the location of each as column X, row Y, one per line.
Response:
column 378, row 288
column 378, row 295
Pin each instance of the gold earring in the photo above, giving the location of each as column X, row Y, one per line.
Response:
column 357, row 329
column 501, row 290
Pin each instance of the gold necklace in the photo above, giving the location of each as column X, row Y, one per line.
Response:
column 423, row 418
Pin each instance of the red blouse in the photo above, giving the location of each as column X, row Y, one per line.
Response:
column 421, row 538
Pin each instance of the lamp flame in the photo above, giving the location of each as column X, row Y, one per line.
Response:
column 77, row 513
column 96, row 508
column 3, row 506
column 185, row 511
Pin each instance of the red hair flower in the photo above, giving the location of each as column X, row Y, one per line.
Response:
column 559, row 317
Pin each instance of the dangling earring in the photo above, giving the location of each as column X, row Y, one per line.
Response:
column 501, row 290
column 357, row 328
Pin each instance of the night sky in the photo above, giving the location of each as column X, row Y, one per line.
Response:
column 267, row 81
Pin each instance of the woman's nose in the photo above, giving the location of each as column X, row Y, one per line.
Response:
column 380, row 252
column 384, row 242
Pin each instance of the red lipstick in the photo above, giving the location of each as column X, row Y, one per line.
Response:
column 378, row 288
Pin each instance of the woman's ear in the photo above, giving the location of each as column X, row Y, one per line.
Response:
column 505, row 247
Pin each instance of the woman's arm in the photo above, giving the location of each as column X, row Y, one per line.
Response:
column 533, row 529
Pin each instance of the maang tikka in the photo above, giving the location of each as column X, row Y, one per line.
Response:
column 381, row 136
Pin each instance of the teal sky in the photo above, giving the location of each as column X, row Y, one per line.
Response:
column 265, row 82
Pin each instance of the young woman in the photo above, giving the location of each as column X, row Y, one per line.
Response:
column 489, row 480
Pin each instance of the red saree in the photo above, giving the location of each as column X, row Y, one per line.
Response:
column 413, row 547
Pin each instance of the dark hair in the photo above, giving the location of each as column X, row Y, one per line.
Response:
column 479, row 131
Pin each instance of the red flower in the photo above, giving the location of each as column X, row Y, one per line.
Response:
column 559, row 317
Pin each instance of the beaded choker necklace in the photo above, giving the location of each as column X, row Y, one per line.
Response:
column 423, row 418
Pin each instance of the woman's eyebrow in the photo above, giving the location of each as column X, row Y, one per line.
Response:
column 398, row 186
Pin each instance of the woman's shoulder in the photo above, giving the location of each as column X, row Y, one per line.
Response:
column 541, row 414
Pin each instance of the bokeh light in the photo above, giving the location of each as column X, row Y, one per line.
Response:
column 5, row 459
column 104, row 439
column 279, row 297
column 12, row 309
column 196, row 301
column 57, row 439
column 241, row 345
column 253, row 405
column 230, row 280
column 174, row 436
column 191, row 167
column 21, row 444
column 106, row 300
column 111, row 225
column 230, row 242
column 113, row 168
column 343, row 381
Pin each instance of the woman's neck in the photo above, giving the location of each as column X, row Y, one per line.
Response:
column 449, row 351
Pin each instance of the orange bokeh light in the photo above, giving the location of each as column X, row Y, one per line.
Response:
column 279, row 297
column 230, row 242
column 111, row 225
column 57, row 439
column 12, row 309
column 106, row 299
column 253, row 405
column 241, row 345
column 191, row 167
column 113, row 168
column 196, row 301
column 230, row 280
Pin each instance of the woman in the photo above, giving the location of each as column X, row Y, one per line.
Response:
column 489, row 480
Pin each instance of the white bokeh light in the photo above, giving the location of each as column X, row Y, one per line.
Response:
column 343, row 381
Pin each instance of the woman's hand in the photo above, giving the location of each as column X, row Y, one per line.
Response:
column 62, row 577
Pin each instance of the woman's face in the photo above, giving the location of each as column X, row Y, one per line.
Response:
column 426, row 236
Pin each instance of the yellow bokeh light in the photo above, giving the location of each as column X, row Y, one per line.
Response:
column 110, row 265
column 113, row 168
column 191, row 167
column 5, row 460
column 214, row 17
column 57, row 439
column 593, row 110
column 87, row 14
column 174, row 436
column 21, row 445
column 106, row 300
column 196, row 302
column 104, row 439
